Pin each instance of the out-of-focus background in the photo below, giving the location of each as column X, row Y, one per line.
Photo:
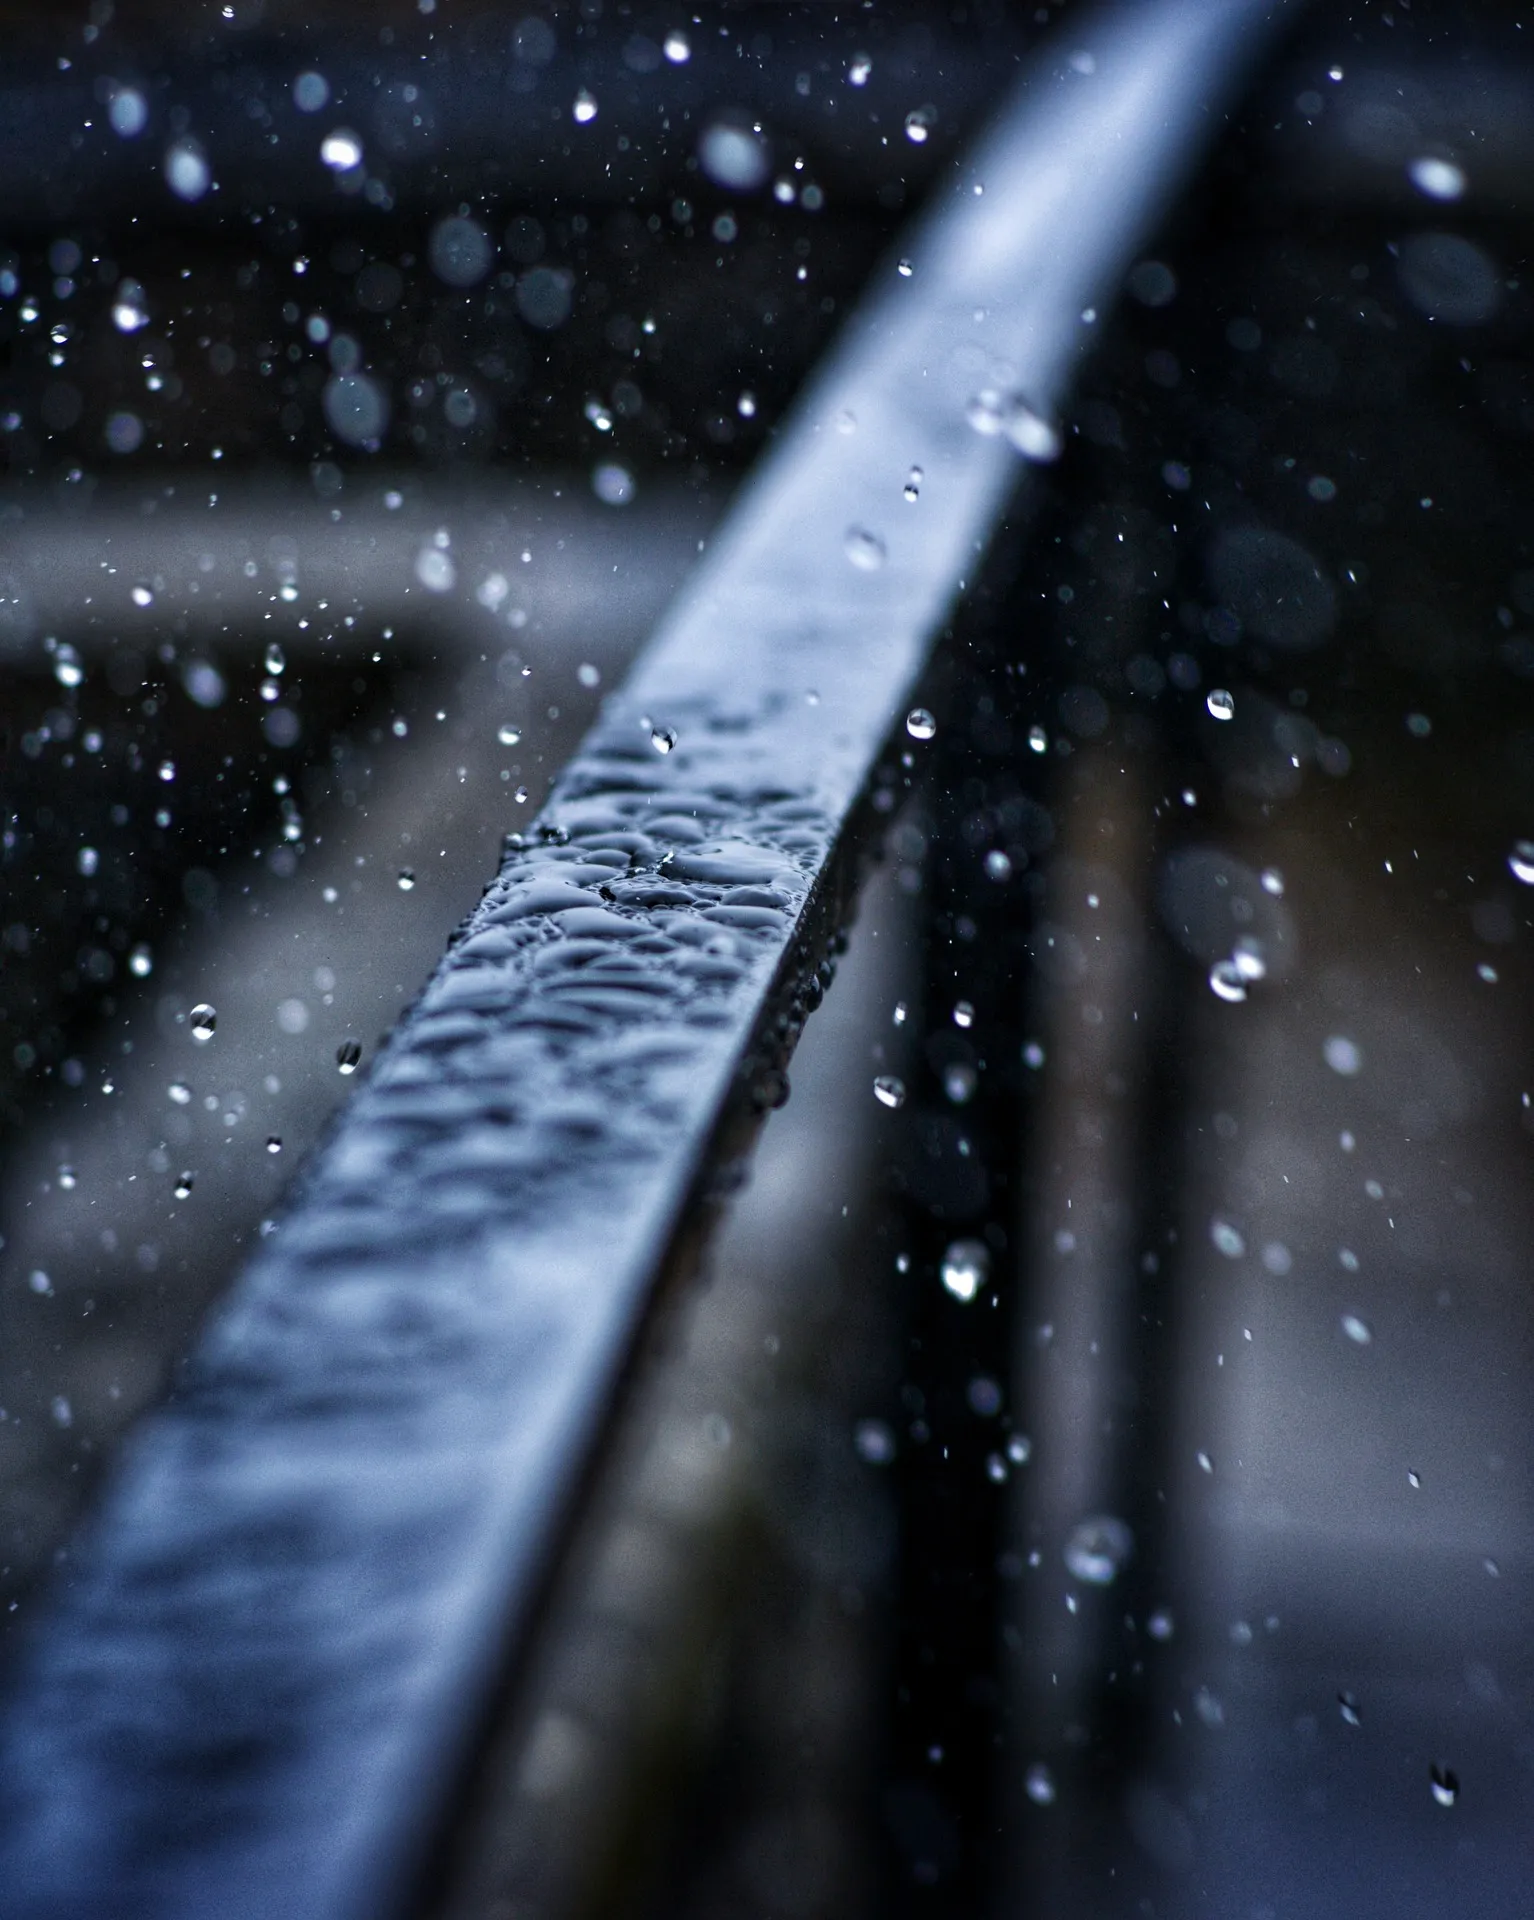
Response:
column 1098, row 1485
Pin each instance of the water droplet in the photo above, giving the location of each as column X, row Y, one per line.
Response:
column 1228, row 981
column 889, row 1091
column 63, row 1413
column 920, row 724
column 349, row 1055
column 1413, row 1478
column 865, row 550
column 1038, row 740
column 1206, row 1465
column 1020, row 1449
column 676, row 49
column 180, row 1094
column 959, row 1083
column 1445, row 1785
column 1520, row 861
column 1228, row 1239
column 599, row 416
column 142, row 596
column 663, row 739
column 1099, row 1549
column 68, row 671
column 919, row 123
column 67, row 1179
column 273, row 1143
column 276, row 660
column 1342, row 1055
column 129, row 310
column 1357, row 1330
column 1438, row 179
column 585, row 109
column 183, row 1185
column 1039, row 1785
column 204, row 1020
column 187, row 173
column 874, row 1441
column 1348, row 1705
column 858, row 70
column 341, row 150
column 508, row 735
column 963, row 1014
column 905, row 269
column 991, row 412
column 141, row 962
column 966, row 1266
column 613, row 485
column 912, row 488
column 406, row 879
column 1221, row 703
column 1273, row 882
column 1161, row 1625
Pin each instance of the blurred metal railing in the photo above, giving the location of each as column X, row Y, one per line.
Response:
column 258, row 1687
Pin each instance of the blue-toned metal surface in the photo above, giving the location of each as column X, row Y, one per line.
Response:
column 258, row 1684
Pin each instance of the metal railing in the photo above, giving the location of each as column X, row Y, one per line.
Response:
column 265, row 1671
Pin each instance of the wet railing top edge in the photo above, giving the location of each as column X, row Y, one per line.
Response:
column 254, row 1688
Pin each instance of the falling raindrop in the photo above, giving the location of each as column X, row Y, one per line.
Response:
column 663, row 739
column 1348, row 1705
column 141, row 962
column 1227, row 1239
column 1438, row 179
column 129, row 311
column 920, row 724
column 912, row 487
column 889, row 1091
column 1342, row 1055
column 406, row 879
column 963, row 1014
column 858, row 70
column 204, row 1019
column 966, row 1266
column 67, row 1179
column 919, row 123
column 1357, row 1330
column 1038, row 740
column 1520, row 861
column 874, row 1441
column 1445, row 1785
column 1099, row 1549
column 68, row 671
column 275, row 658
column 1039, row 1785
column 864, row 549
column 273, row 1143
column 179, row 1093
column 508, row 735
column 341, row 150
column 905, row 269
column 349, row 1055
column 676, row 48
column 183, row 1186
column 1221, row 703
column 585, row 109
column 1228, row 981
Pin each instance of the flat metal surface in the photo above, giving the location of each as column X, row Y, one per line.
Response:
column 260, row 1681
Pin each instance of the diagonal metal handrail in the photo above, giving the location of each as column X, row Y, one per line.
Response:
column 256, row 1690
